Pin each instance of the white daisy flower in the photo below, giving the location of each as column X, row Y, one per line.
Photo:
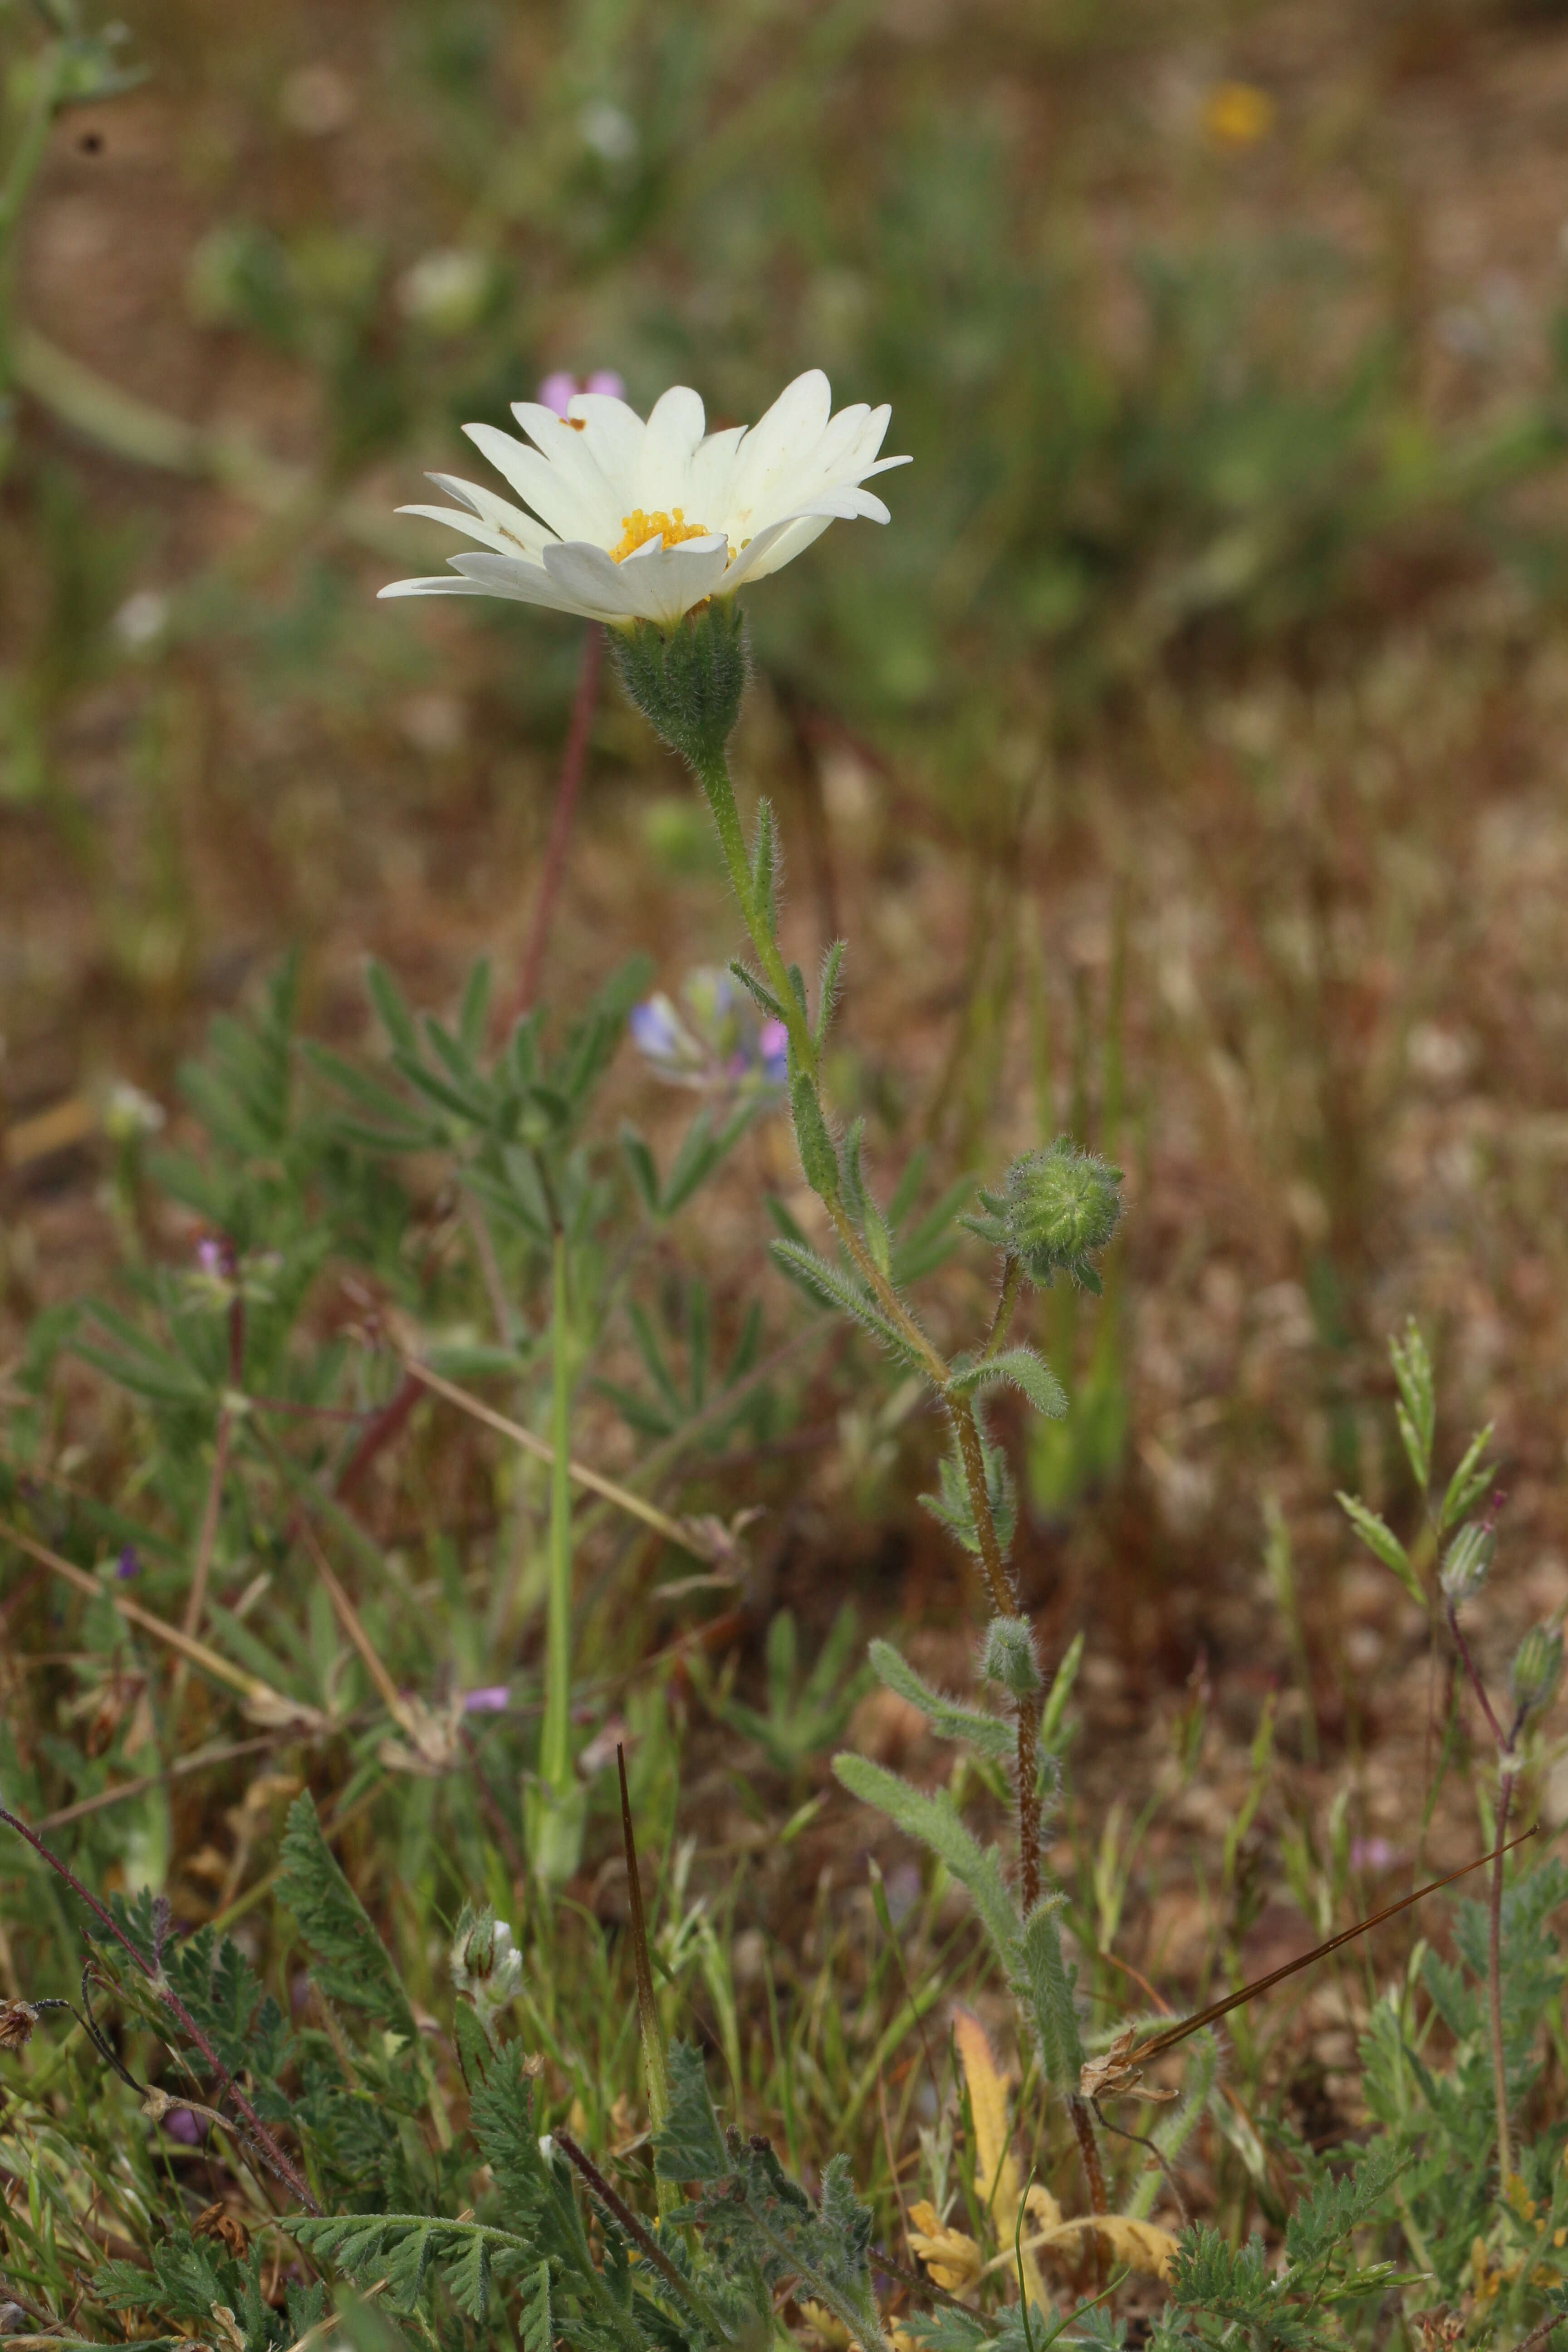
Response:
column 624, row 521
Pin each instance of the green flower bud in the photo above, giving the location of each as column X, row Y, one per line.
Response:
column 1008, row 1657
column 688, row 684
column 1537, row 1664
column 487, row 1967
column 1466, row 1562
column 1058, row 1212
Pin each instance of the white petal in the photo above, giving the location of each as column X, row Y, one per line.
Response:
column 573, row 508
column 614, row 434
column 445, row 584
column 508, row 575
column 789, row 432
column 674, row 431
column 499, row 513
column 658, row 584
column 793, row 538
column 712, row 470
column 750, row 562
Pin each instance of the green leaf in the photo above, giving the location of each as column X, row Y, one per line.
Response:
column 862, row 1208
column 502, row 2117
column 1323, row 2221
column 391, row 1009
column 1470, row 1481
column 758, row 988
column 935, row 1821
column 818, row 1160
column 473, row 1020
column 827, row 992
column 991, row 1735
column 469, row 2278
column 1384, row 1544
column 537, row 2324
column 1418, row 1407
column 1045, row 1993
column 640, row 1167
column 1021, row 1369
column 350, row 1962
column 690, row 2145
column 840, row 1290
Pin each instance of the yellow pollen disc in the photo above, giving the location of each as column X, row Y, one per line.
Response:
column 640, row 528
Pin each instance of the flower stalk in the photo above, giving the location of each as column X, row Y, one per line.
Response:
column 689, row 683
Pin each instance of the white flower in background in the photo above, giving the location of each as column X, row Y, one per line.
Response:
column 624, row 521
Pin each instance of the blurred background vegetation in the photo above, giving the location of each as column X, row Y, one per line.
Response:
column 1184, row 763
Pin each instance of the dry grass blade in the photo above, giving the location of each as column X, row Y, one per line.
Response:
column 262, row 1701
column 1219, row 2009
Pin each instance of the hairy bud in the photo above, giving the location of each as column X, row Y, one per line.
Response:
column 487, row 1965
column 1059, row 1210
column 1537, row 1666
column 1466, row 1562
column 1008, row 1657
column 689, row 685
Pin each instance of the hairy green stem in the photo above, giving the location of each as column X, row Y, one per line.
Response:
column 1007, row 1303
column 555, row 1748
column 714, row 775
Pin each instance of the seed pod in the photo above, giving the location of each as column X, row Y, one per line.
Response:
column 1537, row 1666
column 1466, row 1562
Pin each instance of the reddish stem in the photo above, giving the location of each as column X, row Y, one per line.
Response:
column 574, row 760
column 281, row 2164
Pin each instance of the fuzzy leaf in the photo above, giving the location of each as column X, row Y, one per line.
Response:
column 350, row 1959
column 690, row 2145
column 934, row 1820
column 1044, row 1993
column 991, row 1735
column 1023, row 1369
column 841, row 1290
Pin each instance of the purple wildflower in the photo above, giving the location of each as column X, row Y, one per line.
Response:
column 1375, row 1854
column 490, row 1698
column 773, row 1047
column 128, row 1565
column 187, row 2128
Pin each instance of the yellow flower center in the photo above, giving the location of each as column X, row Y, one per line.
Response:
column 639, row 527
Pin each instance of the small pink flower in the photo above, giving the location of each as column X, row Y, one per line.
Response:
column 561, row 386
column 490, row 1698
column 187, row 2128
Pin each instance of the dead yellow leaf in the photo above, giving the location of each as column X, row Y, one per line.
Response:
column 950, row 2255
column 1141, row 2245
column 996, row 2183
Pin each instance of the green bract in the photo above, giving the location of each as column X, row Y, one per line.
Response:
column 688, row 684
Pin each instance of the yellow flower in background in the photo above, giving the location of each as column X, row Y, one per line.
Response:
column 1238, row 114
